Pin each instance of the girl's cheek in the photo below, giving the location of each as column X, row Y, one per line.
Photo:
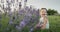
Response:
column 44, row 13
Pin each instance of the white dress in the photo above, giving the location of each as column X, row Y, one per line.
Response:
column 41, row 22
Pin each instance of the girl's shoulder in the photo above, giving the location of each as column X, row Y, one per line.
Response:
column 41, row 18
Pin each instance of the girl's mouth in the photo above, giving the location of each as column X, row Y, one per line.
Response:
column 44, row 14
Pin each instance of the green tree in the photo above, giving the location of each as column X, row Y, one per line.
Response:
column 52, row 12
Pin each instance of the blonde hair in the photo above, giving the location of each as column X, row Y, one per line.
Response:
column 44, row 10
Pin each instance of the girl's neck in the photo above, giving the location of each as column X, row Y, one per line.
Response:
column 42, row 15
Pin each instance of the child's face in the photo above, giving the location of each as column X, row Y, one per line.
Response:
column 43, row 12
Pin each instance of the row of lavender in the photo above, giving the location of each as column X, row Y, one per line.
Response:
column 19, row 19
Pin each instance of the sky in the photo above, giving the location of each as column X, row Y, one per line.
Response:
column 53, row 4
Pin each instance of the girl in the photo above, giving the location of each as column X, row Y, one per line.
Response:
column 43, row 21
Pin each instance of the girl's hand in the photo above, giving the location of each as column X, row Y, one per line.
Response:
column 43, row 26
column 37, row 26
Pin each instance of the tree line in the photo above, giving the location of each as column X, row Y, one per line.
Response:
column 52, row 12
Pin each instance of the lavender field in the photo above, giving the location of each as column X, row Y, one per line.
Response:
column 15, row 18
column 53, row 20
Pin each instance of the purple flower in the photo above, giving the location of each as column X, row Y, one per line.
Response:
column 19, row 28
column 20, row 12
column 22, row 23
column 10, row 22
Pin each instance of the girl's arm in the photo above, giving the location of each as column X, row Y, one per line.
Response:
column 44, row 24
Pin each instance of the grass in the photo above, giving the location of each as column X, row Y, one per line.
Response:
column 54, row 22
